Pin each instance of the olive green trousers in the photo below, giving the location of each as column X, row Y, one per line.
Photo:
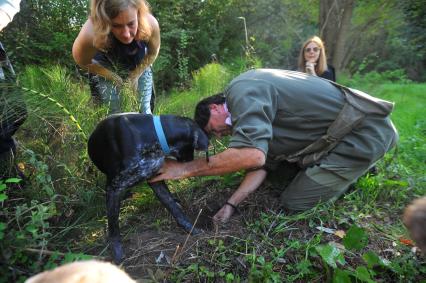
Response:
column 322, row 183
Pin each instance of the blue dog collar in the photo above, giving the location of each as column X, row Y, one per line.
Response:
column 160, row 135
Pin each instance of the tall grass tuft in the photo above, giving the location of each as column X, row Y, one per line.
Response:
column 64, row 190
column 55, row 99
column 209, row 80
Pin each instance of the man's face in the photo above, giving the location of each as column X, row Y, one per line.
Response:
column 216, row 125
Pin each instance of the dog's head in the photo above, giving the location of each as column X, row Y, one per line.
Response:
column 184, row 136
column 200, row 142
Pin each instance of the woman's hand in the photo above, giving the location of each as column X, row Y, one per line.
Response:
column 132, row 84
column 117, row 80
column 95, row 68
column 310, row 68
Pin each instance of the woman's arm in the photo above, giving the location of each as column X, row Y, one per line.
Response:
column 83, row 52
column 153, row 49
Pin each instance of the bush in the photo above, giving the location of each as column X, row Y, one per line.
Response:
column 374, row 78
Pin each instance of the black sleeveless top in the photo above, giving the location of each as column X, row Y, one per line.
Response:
column 329, row 74
column 122, row 57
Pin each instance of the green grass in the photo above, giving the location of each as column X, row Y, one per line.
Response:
column 376, row 205
column 61, row 208
column 410, row 121
column 207, row 81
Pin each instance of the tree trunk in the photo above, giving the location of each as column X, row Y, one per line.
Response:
column 335, row 25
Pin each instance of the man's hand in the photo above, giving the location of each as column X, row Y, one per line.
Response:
column 251, row 182
column 171, row 170
column 224, row 214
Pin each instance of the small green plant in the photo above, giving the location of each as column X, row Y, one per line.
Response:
column 355, row 241
column 266, row 245
column 183, row 70
column 262, row 270
column 24, row 229
column 195, row 272
column 25, row 234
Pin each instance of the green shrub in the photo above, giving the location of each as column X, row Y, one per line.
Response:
column 209, row 80
column 374, row 78
column 64, row 187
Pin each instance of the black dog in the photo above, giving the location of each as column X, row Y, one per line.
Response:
column 127, row 149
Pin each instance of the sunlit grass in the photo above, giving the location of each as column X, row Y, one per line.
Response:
column 274, row 240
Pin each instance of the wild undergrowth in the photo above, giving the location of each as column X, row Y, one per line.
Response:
column 57, row 213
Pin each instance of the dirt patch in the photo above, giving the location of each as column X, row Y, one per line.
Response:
column 155, row 247
column 164, row 246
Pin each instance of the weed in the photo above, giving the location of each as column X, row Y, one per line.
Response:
column 60, row 214
column 183, row 59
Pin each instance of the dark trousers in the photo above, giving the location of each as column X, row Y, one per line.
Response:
column 105, row 92
column 13, row 110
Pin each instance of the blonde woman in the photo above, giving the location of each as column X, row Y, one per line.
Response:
column 312, row 59
column 117, row 45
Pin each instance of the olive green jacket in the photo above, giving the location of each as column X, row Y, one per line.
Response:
column 282, row 112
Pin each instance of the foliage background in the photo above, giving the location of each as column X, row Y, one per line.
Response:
column 384, row 34
column 58, row 215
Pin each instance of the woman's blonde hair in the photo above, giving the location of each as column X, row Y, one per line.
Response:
column 321, row 65
column 103, row 11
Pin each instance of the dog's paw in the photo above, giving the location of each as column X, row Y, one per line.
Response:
column 196, row 231
column 188, row 227
column 117, row 251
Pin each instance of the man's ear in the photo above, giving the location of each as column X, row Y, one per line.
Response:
column 216, row 108
column 212, row 107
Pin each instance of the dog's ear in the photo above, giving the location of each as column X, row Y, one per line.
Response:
column 200, row 140
column 195, row 140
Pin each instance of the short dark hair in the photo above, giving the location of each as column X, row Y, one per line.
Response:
column 202, row 110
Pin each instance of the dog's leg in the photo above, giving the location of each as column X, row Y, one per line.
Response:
column 113, row 210
column 163, row 194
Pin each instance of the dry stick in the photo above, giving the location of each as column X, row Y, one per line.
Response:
column 176, row 256
column 273, row 224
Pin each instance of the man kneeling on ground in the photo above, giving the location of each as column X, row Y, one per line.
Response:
column 332, row 133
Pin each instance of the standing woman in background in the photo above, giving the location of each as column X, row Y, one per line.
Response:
column 117, row 45
column 312, row 59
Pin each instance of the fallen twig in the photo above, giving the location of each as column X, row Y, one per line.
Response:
column 177, row 255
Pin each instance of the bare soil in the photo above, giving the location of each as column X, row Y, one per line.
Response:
column 155, row 246
column 150, row 248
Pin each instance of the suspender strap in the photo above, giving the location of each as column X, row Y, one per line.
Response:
column 160, row 134
column 357, row 106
